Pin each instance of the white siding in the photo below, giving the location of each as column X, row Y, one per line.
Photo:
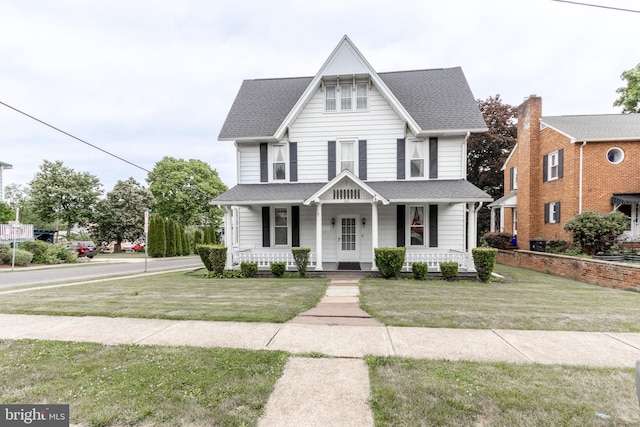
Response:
column 250, row 235
column 450, row 162
column 379, row 125
column 451, row 232
column 248, row 163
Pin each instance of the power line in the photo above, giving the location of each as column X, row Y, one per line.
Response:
column 598, row 5
column 74, row 137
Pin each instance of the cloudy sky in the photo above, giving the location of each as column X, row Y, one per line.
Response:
column 144, row 79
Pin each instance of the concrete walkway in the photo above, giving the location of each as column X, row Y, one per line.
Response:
column 334, row 391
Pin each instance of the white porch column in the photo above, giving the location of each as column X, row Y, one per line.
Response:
column 228, row 237
column 501, row 219
column 374, row 234
column 492, row 225
column 319, row 236
column 471, row 229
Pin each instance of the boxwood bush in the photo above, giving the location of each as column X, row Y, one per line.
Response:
column 249, row 269
column 214, row 257
column 278, row 269
column 484, row 260
column 301, row 257
column 420, row 270
column 389, row 261
column 449, row 270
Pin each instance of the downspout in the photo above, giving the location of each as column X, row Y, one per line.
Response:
column 580, row 178
column 464, row 156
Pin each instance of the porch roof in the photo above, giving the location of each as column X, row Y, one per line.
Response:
column 437, row 191
column 508, row 201
column 625, row 198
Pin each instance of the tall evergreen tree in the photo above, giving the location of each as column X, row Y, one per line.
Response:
column 179, row 235
column 157, row 244
column 171, row 237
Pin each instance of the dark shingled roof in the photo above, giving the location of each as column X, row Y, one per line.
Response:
column 438, row 99
column 605, row 127
column 458, row 189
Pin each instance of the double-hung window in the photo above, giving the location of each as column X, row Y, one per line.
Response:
column 345, row 97
column 281, row 226
column 362, row 95
column 552, row 213
column 416, row 216
column 347, row 156
column 330, row 98
column 553, row 166
column 278, row 161
column 416, row 160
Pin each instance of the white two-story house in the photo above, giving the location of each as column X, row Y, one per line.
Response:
column 350, row 160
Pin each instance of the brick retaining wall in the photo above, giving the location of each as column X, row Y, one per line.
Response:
column 602, row 273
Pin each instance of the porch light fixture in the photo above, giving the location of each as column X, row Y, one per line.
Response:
column 364, row 221
column 333, row 222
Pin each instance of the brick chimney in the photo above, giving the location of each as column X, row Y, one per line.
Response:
column 530, row 211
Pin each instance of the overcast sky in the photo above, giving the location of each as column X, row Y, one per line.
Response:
column 144, row 79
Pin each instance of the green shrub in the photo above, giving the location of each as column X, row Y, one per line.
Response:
column 389, row 261
column 498, row 240
column 301, row 257
column 63, row 254
column 596, row 233
column 39, row 250
column 484, row 259
column 249, row 269
column 449, row 270
column 278, row 269
column 5, row 249
column 420, row 270
column 226, row 274
column 557, row 246
column 22, row 258
column 214, row 257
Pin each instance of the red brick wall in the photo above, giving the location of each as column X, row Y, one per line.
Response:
column 601, row 273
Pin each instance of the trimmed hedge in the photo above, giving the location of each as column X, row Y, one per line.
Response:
column 498, row 240
column 23, row 258
column 389, row 261
column 484, row 260
column 278, row 269
column 420, row 270
column 301, row 257
column 214, row 257
column 449, row 270
column 249, row 269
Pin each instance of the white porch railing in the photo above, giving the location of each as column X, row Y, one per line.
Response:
column 433, row 260
column 264, row 259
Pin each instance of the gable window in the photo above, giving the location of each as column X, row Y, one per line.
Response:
column 615, row 155
column 362, row 95
column 330, row 98
column 345, row 97
column 416, row 216
column 552, row 213
column 278, row 162
column 347, row 156
column 416, row 162
column 281, row 226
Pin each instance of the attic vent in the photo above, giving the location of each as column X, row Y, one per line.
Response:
column 346, row 193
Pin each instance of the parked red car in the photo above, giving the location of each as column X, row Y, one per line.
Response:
column 138, row 247
column 86, row 248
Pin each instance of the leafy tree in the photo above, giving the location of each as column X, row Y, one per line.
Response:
column 59, row 194
column 120, row 216
column 184, row 189
column 6, row 213
column 629, row 98
column 488, row 151
column 18, row 198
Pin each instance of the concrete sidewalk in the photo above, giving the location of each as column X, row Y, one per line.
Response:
column 334, row 391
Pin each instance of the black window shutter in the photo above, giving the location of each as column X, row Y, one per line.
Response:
column 293, row 161
column 400, row 221
column 545, row 166
column 433, row 226
column 295, row 226
column 362, row 159
column 331, row 154
column 511, row 178
column 557, row 217
column 264, row 164
column 401, row 159
column 266, row 227
column 546, row 213
column 433, row 157
column 560, row 162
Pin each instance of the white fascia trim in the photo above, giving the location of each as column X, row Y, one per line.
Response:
column 571, row 138
column 612, row 139
column 448, row 132
column 513, row 150
column 315, row 197
column 270, row 138
column 444, row 200
column 256, row 202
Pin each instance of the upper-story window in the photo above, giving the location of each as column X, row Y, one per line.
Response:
column 345, row 97
column 362, row 95
column 513, row 178
column 347, row 156
column 278, row 161
column 416, row 159
column 615, row 155
column 330, row 98
column 553, row 165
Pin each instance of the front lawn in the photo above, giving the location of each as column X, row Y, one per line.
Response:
column 523, row 300
column 180, row 296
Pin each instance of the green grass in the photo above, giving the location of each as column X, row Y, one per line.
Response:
column 177, row 296
column 141, row 385
column 407, row 392
column 523, row 300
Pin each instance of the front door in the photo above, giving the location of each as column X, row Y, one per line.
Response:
column 348, row 239
column 635, row 221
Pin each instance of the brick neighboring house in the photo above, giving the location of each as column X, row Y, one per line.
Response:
column 565, row 165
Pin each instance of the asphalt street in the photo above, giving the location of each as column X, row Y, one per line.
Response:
column 98, row 267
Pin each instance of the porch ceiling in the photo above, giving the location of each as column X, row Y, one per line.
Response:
column 439, row 191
